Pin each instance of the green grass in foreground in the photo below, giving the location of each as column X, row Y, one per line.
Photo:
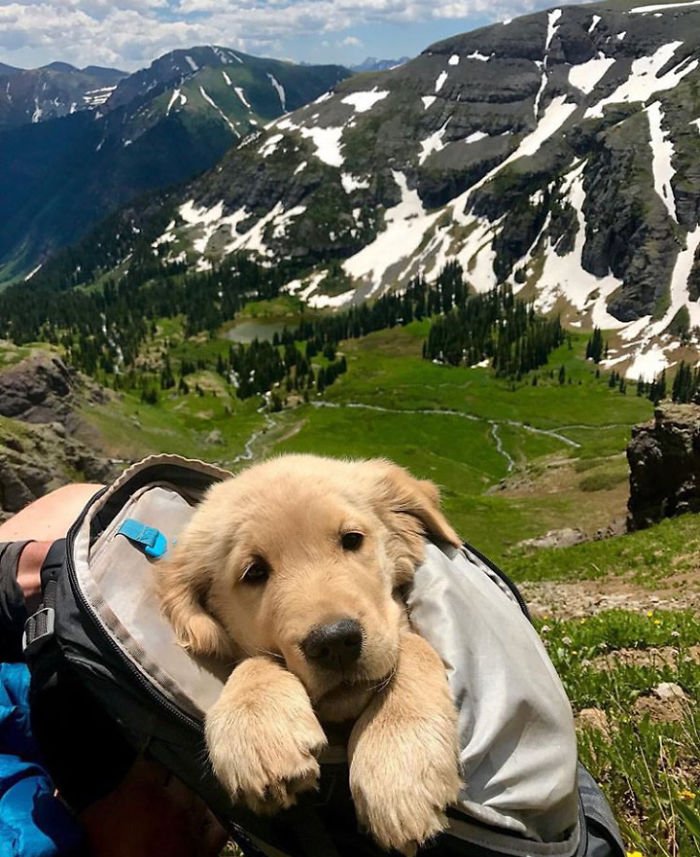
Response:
column 646, row 752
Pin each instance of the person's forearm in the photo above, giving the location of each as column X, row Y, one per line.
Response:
column 29, row 572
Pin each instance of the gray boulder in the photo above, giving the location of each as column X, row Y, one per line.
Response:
column 664, row 460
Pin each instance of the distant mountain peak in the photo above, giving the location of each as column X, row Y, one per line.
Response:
column 374, row 64
column 60, row 66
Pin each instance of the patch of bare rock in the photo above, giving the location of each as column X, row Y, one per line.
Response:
column 587, row 597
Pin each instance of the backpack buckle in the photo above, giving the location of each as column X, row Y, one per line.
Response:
column 38, row 630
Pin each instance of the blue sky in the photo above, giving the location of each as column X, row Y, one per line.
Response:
column 129, row 34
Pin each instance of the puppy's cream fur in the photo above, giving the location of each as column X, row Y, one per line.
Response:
column 288, row 516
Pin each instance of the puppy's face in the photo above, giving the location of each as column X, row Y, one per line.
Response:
column 299, row 558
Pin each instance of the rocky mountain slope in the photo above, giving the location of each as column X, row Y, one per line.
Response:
column 54, row 90
column 158, row 127
column 559, row 152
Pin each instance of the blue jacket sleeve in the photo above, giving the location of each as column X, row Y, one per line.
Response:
column 33, row 822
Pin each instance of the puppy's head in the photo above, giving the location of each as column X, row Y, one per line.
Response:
column 299, row 558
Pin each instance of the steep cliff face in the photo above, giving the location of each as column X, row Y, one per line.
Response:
column 558, row 151
column 664, row 460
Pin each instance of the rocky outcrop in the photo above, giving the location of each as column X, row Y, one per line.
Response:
column 43, row 389
column 39, row 422
column 35, row 459
column 664, row 460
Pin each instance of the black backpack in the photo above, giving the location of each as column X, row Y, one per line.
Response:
column 100, row 642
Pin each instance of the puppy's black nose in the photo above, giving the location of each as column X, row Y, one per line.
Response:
column 335, row 646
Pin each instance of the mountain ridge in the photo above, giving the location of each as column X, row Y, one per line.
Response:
column 52, row 91
column 155, row 129
column 556, row 152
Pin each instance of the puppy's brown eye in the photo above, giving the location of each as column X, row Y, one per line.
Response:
column 256, row 572
column 351, row 541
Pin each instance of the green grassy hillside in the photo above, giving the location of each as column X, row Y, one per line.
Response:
column 512, row 460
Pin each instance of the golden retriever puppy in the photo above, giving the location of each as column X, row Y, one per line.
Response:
column 292, row 570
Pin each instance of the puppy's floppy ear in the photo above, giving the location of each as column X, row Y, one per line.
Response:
column 410, row 508
column 182, row 586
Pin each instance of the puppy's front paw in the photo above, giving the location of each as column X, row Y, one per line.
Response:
column 263, row 740
column 403, row 777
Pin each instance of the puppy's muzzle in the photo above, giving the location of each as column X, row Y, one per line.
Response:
column 335, row 646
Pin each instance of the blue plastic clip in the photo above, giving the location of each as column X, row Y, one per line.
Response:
column 153, row 542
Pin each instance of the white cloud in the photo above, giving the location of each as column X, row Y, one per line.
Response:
column 350, row 42
column 131, row 33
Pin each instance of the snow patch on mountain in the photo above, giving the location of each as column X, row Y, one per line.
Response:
column 241, row 94
column 351, row 183
column 173, row 98
column 679, row 285
column 321, row 301
column 212, row 103
column 587, row 75
column 364, row 101
column 433, row 143
column 647, row 343
column 203, row 216
column 565, row 276
column 552, row 27
column 643, row 81
column 326, row 140
column 662, row 7
column 647, row 364
column 168, row 237
column 97, row 97
column 662, row 158
column 406, row 224
column 270, row 145
column 555, row 115
column 282, row 220
column 279, row 89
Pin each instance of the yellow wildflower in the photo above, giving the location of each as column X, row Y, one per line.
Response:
column 657, row 621
column 650, row 613
column 634, row 854
column 686, row 794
